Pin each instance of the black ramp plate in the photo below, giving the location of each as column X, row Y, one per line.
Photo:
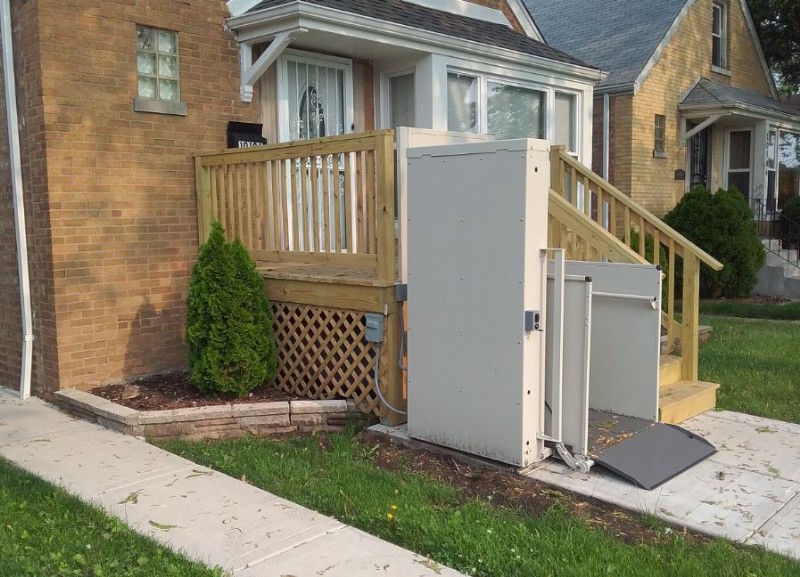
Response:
column 654, row 455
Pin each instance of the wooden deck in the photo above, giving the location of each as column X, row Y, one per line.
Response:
column 317, row 216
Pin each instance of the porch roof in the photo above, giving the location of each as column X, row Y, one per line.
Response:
column 420, row 17
column 712, row 97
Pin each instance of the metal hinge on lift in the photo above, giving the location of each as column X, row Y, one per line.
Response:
column 580, row 463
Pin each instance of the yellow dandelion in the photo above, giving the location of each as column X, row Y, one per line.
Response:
column 389, row 516
column 394, row 507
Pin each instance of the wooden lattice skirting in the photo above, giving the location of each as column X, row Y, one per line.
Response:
column 323, row 354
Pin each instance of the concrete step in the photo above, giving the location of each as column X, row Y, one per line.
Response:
column 682, row 400
column 670, row 370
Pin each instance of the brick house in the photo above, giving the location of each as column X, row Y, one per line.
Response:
column 688, row 98
column 114, row 96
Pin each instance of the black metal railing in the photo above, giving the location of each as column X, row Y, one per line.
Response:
column 780, row 234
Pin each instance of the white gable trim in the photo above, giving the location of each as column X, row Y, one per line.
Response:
column 463, row 8
column 239, row 7
column 525, row 19
column 662, row 46
column 764, row 66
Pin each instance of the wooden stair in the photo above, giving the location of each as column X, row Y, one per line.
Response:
column 678, row 399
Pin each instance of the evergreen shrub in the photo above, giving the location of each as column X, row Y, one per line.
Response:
column 229, row 321
column 722, row 225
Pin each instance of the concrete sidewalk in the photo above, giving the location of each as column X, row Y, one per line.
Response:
column 749, row 491
column 206, row 515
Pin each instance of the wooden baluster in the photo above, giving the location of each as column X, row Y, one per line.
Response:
column 642, row 235
column 295, row 194
column 314, row 198
column 326, row 204
column 656, row 247
column 690, row 316
column 627, row 224
column 370, row 191
column 671, row 295
column 349, row 219
column 337, row 205
column 587, row 196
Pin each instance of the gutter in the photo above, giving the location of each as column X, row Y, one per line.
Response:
column 15, row 161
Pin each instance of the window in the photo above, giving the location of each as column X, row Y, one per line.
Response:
column 566, row 132
column 401, row 96
column 462, row 103
column 514, row 112
column 158, row 88
column 659, row 138
column 719, row 25
column 788, row 151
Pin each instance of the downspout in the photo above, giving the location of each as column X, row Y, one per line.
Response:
column 606, row 135
column 15, row 161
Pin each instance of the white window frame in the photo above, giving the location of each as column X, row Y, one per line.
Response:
column 386, row 94
column 551, row 119
column 722, row 34
column 549, row 102
column 314, row 59
column 160, row 105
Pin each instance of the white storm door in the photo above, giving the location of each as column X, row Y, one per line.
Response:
column 316, row 97
column 739, row 161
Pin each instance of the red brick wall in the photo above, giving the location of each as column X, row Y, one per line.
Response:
column 119, row 184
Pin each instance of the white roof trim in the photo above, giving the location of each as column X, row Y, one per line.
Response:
column 662, row 46
column 266, row 24
column 239, row 7
column 764, row 66
column 463, row 8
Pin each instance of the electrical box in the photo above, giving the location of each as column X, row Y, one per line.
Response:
column 374, row 327
column 477, row 227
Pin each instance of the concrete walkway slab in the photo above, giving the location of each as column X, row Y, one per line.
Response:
column 749, row 491
column 204, row 514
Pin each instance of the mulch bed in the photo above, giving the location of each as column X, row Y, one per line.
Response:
column 504, row 488
column 176, row 391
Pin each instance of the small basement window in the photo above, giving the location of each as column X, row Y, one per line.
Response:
column 659, row 137
column 157, row 72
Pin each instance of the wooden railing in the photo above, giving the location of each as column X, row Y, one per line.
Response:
column 605, row 209
column 322, row 201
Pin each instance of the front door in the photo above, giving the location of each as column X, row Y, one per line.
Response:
column 739, row 170
column 700, row 158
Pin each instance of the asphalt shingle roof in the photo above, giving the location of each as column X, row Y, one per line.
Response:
column 617, row 36
column 424, row 18
column 707, row 92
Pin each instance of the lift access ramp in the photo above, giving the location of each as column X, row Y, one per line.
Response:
column 515, row 357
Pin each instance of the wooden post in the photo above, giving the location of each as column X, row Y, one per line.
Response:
column 393, row 390
column 384, row 158
column 691, row 316
column 204, row 212
column 557, row 169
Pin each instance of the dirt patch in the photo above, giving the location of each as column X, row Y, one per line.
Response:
column 176, row 391
column 504, row 488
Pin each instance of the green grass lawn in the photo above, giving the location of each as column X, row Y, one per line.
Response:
column 45, row 532
column 339, row 477
column 757, row 363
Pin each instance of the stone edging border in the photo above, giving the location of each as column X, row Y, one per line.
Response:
column 212, row 422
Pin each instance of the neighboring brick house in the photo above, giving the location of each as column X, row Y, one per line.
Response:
column 688, row 98
column 114, row 96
